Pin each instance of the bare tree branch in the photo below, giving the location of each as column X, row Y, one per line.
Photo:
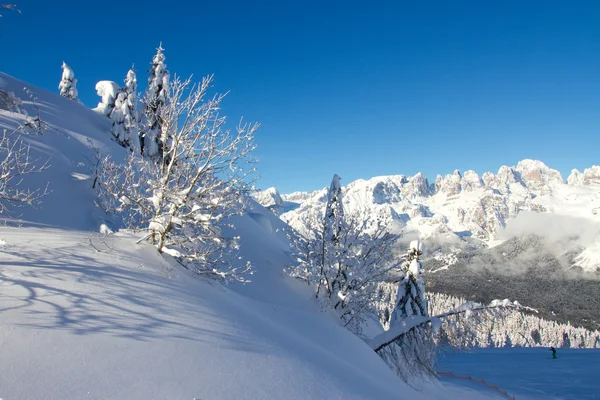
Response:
column 15, row 164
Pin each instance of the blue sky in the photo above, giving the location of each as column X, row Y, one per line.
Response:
column 354, row 88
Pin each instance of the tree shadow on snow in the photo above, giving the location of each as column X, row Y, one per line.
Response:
column 63, row 288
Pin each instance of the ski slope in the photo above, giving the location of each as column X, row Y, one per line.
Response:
column 530, row 373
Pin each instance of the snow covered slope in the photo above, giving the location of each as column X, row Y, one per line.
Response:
column 87, row 315
column 73, row 131
column 466, row 211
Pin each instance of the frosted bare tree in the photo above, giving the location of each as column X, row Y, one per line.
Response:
column 204, row 174
column 15, row 164
column 344, row 258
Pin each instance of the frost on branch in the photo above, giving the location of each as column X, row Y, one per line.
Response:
column 343, row 258
column 470, row 309
column 10, row 102
column 16, row 164
column 202, row 179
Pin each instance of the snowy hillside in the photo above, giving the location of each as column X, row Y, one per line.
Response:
column 465, row 211
column 101, row 316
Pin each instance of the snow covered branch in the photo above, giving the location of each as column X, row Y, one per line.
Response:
column 200, row 178
column 397, row 331
column 344, row 257
column 15, row 164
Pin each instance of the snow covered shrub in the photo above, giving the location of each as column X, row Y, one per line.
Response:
column 108, row 90
column 15, row 164
column 10, row 102
column 344, row 259
column 68, row 83
column 202, row 179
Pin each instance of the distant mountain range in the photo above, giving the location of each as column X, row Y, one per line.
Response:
column 470, row 223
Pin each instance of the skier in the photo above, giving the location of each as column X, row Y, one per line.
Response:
column 553, row 350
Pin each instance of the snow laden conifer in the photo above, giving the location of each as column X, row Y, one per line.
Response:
column 202, row 179
column 124, row 115
column 412, row 354
column 333, row 244
column 68, row 83
column 154, row 137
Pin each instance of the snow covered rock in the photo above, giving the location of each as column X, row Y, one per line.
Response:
column 108, row 90
column 417, row 186
column 451, row 184
column 271, row 199
column 575, row 178
column 471, row 181
column 537, row 176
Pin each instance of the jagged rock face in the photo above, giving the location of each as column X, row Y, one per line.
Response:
column 505, row 177
column 451, row 184
column 386, row 192
column 416, row 186
column 471, row 181
column 589, row 176
column 269, row 198
column 576, row 178
column 537, row 176
column 489, row 215
column 488, row 179
column 420, row 211
column 437, row 185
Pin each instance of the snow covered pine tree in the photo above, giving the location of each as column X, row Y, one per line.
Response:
column 124, row 115
column 68, row 83
column 413, row 353
column 154, row 137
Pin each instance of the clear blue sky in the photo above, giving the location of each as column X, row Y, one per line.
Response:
column 354, row 88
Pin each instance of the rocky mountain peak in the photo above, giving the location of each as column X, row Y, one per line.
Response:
column 536, row 175
column 471, row 181
column 270, row 198
column 588, row 177
column 416, row 186
column 575, row 178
